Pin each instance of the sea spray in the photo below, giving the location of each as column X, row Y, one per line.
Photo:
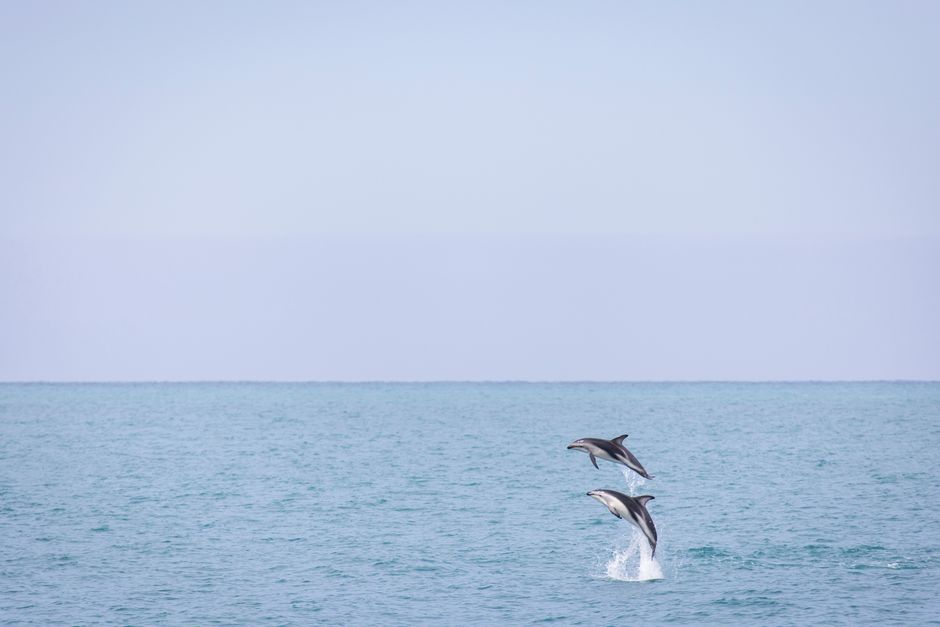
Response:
column 635, row 562
column 633, row 480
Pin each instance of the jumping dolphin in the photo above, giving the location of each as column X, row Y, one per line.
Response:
column 611, row 450
column 629, row 508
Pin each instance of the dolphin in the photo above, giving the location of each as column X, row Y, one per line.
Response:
column 611, row 450
column 629, row 508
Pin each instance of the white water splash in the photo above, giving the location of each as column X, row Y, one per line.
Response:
column 633, row 480
column 634, row 563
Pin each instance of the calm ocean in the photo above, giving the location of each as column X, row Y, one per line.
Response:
column 403, row 504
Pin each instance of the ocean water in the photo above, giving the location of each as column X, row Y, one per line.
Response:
column 404, row 504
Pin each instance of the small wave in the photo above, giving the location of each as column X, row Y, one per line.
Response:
column 752, row 601
column 862, row 549
column 707, row 552
column 634, row 563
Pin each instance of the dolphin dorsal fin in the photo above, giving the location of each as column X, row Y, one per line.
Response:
column 619, row 439
column 642, row 500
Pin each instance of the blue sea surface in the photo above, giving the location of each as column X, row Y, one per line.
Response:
column 445, row 503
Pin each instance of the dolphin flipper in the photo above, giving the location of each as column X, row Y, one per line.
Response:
column 594, row 460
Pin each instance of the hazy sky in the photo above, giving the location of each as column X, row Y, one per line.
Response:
column 469, row 190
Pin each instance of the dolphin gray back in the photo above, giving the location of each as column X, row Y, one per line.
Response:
column 636, row 505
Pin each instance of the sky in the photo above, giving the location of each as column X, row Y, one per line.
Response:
column 469, row 191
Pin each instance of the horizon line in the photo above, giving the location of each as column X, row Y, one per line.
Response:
column 437, row 381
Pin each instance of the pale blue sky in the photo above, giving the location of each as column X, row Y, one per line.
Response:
column 469, row 190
